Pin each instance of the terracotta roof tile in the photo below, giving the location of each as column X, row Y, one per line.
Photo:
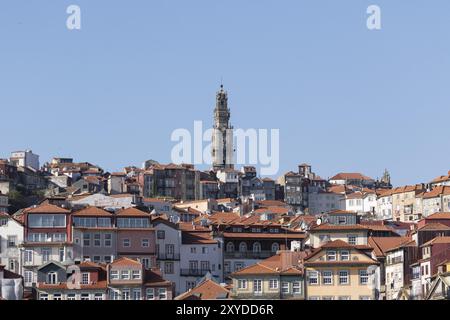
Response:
column 92, row 211
column 47, row 208
column 206, row 290
column 132, row 212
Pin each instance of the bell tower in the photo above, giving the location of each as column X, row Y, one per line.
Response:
column 222, row 139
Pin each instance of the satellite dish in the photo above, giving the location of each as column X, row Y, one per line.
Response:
column 319, row 221
column 175, row 219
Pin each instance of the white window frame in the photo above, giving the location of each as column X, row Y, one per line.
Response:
column 273, row 284
column 327, row 275
column 285, row 287
column 257, row 287
column 340, row 277
column 150, row 294
column 242, row 284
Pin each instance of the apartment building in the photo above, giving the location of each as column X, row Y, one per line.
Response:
column 47, row 237
column 278, row 277
column 341, row 271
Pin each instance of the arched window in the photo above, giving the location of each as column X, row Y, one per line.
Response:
column 242, row 247
column 257, row 247
column 230, row 247
column 275, row 247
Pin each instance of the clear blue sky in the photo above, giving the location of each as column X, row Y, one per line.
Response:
column 344, row 98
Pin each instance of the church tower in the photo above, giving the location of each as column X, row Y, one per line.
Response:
column 222, row 138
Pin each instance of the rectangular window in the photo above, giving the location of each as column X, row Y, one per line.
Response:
column 28, row 257
column 85, row 278
column 46, row 255
column 344, row 277
column 273, row 284
column 204, row 266
column 107, row 239
column 296, row 287
column 363, row 277
column 96, row 259
column 345, row 255
column 331, row 255
column 107, row 259
column 168, row 268
column 205, row 250
column 28, row 278
column 126, row 243
column 125, row 275
column 146, row 263
column 97, row 240
column 313, row 277
column 136, row 274
column 114, row 275
column 285, row 287
column 327, row 278
column 257, row 287
column 115, row 295
column 61, row 254
column 104, row 222
column 136, row 294
column 145, row 243
column 150, row 294
column 46, row 220
column 242, row 284
column 126, row 294
column 71, row 296
column 161, row 234
column 351, row 239
column 98, row 296
column 12, row 241
column 162, row 293
column 193, row 250
column 86, row 240
column 43, row 296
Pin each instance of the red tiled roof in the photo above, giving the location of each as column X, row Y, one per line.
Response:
column 124, row 261
column 258, row 235
column 92, row 211
column 47, row 208
column 284, row 262
column 153, row 278
column 437, row 191
column 439, row 215
column 63, row 286
column 350, row 176
column 340, row 212
column 437, row 240
column 207, row 290
column 196, row 237
column 380, row 245
column 433, row 226
column 132, row 212
column 328, row 226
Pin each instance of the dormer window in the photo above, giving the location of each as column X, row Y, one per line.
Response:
column 52, row 278
column 136, row 275
column 342, row 220
column 345, row 255
column 125, row 275
column 331, row 255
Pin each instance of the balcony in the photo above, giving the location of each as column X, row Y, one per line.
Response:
column 193, row 272
column 248, row 255
column 168, row 256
